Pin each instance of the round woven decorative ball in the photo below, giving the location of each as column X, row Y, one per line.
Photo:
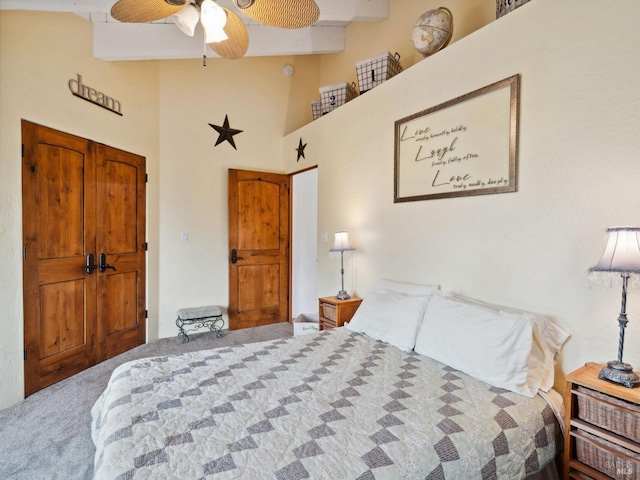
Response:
column 433, row 31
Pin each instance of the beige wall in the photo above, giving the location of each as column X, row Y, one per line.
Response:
column 578, row 173
column 259, row 100
column 39, row 53
column 364, row 40
column 167, row 107
column 266, row 105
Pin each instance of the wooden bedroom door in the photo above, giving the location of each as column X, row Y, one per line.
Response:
column 258, row 248
column 79, row 201
column 120, row 243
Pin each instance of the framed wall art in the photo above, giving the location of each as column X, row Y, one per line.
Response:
column 465, row 146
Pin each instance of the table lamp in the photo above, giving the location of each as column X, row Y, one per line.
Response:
column 621, row 256
column 341, row 244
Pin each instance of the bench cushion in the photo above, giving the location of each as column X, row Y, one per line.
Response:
column 207, row 311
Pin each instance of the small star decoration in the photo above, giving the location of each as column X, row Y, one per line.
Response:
column 300, row 150
column 226, row 133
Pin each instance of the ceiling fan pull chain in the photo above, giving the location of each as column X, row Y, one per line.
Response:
column 204, row 53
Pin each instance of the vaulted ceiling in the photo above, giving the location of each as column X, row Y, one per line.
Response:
column 113, row 40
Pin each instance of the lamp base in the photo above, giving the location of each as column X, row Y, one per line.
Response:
column 342, row 295
column 618, row 372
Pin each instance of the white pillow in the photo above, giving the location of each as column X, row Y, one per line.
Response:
column 551, row 338
column 491, row 346
column 406, row 288
column 548, row 339
column 390, row 317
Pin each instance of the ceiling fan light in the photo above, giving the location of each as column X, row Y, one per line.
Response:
column 243, row 3
column 187, row 19
column 213, row 19
column 215, row 35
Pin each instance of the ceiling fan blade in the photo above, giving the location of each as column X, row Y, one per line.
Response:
column 141, row 11
column 281, row 13
column 238, row 42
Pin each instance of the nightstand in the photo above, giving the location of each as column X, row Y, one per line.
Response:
column 602, row 428
column 334, row 312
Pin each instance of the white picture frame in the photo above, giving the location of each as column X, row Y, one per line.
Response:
column 463, row 147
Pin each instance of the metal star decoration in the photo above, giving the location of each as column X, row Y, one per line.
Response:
column 300, row 150
column 225, row 132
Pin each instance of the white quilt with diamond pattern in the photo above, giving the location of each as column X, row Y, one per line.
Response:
column 336, row 405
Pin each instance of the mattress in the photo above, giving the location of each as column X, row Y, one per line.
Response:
column 332, row 405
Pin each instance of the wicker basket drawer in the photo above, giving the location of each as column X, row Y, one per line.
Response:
column 329, row 311
column 609, row 413
column 327, row 324
column 606, row 457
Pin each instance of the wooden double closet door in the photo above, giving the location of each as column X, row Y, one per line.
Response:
column 84, row 253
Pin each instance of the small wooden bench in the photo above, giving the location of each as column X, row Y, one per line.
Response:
column 209, row 316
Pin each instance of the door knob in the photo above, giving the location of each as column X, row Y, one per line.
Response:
column 90, row 266
column 103, row 263
column 234, row 256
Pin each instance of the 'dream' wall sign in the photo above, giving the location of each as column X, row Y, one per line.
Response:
column 90, row 94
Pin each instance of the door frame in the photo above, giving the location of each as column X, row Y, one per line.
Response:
column 35, row 275
column 261, row 255
column 291, row 250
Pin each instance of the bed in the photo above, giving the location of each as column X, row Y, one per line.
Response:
column 339, row 404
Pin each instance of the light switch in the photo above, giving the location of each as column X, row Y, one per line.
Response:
column 323, row 237
column 184, row 237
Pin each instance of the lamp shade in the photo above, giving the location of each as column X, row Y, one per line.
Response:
column 213, row 19
column 187, row 19
column 622, row 253
column 341, row 242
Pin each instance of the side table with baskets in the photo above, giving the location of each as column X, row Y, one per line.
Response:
column 602, row 428
column 334, row 312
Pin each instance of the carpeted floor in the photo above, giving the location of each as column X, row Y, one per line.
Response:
column 48, row 434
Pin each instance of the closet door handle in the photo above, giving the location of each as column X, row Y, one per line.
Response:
column 103, row 263
column 90, row 266
column 234, row 256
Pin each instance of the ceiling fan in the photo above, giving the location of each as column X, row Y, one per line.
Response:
column 224, row 31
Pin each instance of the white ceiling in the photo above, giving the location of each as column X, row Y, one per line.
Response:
column 113, row 40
